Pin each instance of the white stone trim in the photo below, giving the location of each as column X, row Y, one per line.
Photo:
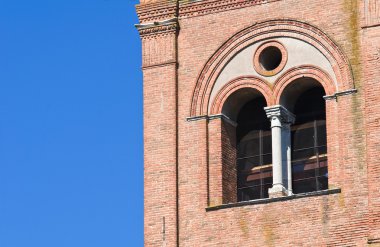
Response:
column 341, row 93
column 212, row 117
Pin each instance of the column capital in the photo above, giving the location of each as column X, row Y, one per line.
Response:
column 281, row 113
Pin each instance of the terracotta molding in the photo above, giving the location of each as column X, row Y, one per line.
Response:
column 166, row 9
column 304, row 71
column 156, row 11
column 158, row 28
column 192, row 9
column 241, row 82
column 261, row 31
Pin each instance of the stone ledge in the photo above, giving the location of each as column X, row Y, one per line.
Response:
column 278, row 199
column 374, row 241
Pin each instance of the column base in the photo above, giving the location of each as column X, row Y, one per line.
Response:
column 277, row 191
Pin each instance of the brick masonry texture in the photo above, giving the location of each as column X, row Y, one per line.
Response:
column 188, row 164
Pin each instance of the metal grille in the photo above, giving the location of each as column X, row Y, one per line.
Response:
column 254, row 164
column 254, row 152
column 309, row 157
column 309, row 145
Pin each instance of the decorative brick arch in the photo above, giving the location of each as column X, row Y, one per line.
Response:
column 265, row 30
column 239, row 83
column 304, row 71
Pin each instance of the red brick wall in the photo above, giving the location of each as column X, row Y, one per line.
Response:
column 348, row 218
column 229, row 175
column 372, row 113
column 160, row 137
column 215, row 161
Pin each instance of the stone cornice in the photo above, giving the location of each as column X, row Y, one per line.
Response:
column 156, row 28
column 280, row 199
column 212, row 117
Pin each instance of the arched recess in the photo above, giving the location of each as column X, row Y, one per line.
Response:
column 250, row 84
column 303, row 96
column 227, row 140
column 306, row 71
column 261, row 31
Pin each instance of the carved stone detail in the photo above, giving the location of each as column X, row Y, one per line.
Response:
column 281, row 119
column 281, row 113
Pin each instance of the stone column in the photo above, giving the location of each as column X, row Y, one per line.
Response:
column 281, row 119
column 286, row 156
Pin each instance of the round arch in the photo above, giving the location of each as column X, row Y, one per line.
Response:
column 248, row 82
column 300, row 72
column 265, row 30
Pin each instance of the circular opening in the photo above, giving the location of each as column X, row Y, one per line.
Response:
column 270, row 58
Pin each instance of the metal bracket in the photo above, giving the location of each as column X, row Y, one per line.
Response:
column 341, row 93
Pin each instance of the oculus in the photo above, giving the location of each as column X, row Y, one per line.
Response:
column 270, row 58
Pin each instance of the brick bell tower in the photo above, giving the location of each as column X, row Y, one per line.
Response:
column 261, row 122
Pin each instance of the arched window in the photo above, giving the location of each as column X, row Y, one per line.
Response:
column 309, row 145
column 309, row 167
column 279, row 150
column 254, row 151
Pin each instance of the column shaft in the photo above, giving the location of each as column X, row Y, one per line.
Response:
column 281, row 150
column 276, row 152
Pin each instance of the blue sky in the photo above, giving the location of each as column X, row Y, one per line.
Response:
column 71, row 153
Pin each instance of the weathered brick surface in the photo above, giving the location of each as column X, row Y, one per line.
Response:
column 372, row 113
column 160, row 138
column 229, row 177
column 199, row 152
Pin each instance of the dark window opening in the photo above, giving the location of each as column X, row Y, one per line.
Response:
column 309, row 144
column 270, row 58
column 254, row 151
